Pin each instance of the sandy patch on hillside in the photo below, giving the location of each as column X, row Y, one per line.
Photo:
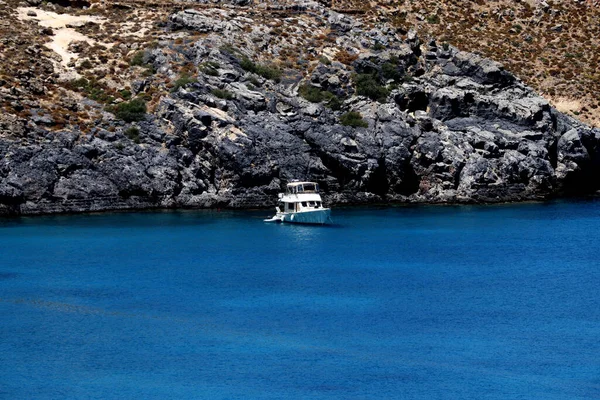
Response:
column 566, row 105
column 63, row 36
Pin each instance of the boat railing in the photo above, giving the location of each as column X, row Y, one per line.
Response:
column 302, row 192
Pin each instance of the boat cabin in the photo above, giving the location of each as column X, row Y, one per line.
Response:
column 297, row 206
column 299, row 197
column 302, row 187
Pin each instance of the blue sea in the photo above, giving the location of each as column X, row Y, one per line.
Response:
column 422, row 302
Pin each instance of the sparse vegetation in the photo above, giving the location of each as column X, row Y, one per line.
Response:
column 557, row 61
column 222, row 94
column 316, row 95
column 334, row 103
column 92, row 89
column 86, row 64
column 183, row 80
column 125, row 94
column 353, row 119
column 229, row 48
column 433, row 19
column 254, row 81
column 378, row 46
column 266, row 71
column 137, row 59
column 133, row 133
column 541, row 48
column 324, row 60
column 346, row 58
column 209, row 68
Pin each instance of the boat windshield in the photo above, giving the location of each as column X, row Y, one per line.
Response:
column 307, row 187
column 310, row 187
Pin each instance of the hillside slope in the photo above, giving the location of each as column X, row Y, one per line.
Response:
column 221, row 106
column 552, row 45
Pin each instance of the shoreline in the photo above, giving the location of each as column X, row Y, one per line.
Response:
column 382, row 205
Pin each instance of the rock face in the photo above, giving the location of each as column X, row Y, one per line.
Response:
column 454, row 128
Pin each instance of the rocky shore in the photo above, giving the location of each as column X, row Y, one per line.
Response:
column 375, row 116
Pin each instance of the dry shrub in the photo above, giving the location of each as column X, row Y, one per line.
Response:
column 345, row 58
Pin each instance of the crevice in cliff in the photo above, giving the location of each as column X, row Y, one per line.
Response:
column 338, row 171
column 457, row 173
column 410, row 181
column 133, row 192
column 71, row 3
column 378, row 181
column 553, row 153
column 178, row 185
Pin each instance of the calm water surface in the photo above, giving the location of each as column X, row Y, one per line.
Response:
column 497, row 302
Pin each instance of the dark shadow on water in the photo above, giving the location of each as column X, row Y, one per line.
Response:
column 141, row 219
column 4, row 276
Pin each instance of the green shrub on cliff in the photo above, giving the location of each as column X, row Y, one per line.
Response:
column 368, row 85
column 92, row 89
column 222, row 94
column 209, row 68
column 266, row 71
column 390, row 71
column 311, row 93
column 137, row 59
column 316, row 95
column 130, row 111
column 353, row 119
column 433, row 19
column 133, row 133
column 183, row 80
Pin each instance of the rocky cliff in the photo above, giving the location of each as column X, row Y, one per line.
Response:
column 370, row 112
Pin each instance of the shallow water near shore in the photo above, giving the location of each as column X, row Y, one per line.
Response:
column 480, row 302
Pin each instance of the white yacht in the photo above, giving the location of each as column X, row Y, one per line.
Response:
column 301, row 204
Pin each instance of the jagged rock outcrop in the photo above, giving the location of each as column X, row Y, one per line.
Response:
column 454, row 127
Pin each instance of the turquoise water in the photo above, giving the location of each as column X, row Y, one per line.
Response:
column 496, row 302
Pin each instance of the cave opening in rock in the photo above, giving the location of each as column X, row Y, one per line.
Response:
column 378, row 182
column 413, row 101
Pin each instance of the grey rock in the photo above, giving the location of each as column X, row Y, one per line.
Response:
column 460, row 129
column 195, row 20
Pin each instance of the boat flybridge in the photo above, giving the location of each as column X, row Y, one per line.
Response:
column 301, row 204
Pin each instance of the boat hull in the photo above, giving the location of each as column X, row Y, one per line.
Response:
column 320, row 217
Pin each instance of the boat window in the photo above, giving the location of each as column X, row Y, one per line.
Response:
column 318, row 204
column 317, row 187
column 303, row 204
column 309, row 187
column 300, row 188
column 290, row 206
